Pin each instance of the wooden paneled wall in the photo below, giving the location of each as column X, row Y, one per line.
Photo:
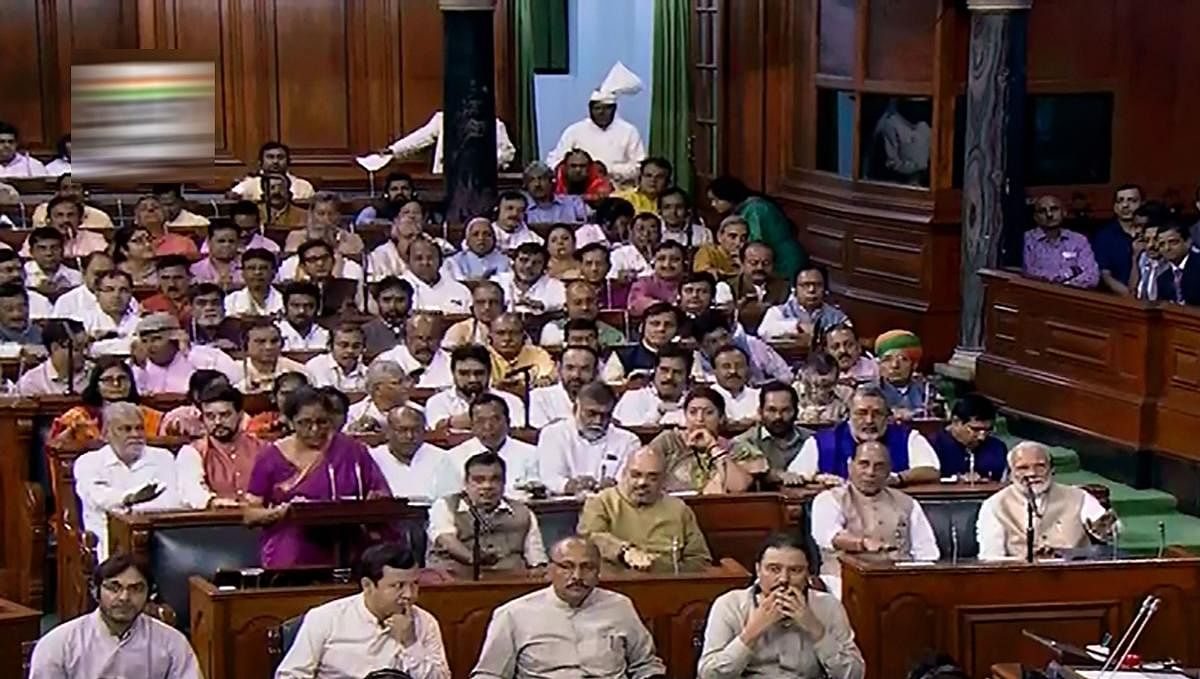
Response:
column 331, row 78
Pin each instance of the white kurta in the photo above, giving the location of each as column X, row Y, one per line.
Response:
column 549, row 291
column 447, row 295
column 430, row 475
column 619, row 147
column 448, row 403
column 549, row 404
column 744, row 406
column 920, row 454
column 644, row 407
column 102, row 481
column 436, row 375
column 520, row 460
column 430, row 134
column 563, row 454
column 989, row 531
column 316, row 339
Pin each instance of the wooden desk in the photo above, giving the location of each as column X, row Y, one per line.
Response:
column 229, row 629
column 18, row 626
column 975, row 611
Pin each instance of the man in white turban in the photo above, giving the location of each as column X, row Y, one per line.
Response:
column 607, row 138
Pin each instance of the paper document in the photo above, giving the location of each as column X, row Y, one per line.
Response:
column 372, row 162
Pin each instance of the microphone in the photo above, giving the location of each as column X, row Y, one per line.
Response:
column 524, row 370
column 1162, row 539
column 213, row 203
column 120, row 212
column 477, row 520
column 24, row 218
column 1030, row 511
column 953, row 543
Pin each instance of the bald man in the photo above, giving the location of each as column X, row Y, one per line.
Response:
column 511, row 352
column 637, row 526
column 412, row 467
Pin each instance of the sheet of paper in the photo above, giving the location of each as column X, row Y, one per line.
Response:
column 1124, row 674
column 373, row 162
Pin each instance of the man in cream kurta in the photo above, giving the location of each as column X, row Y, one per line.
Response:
column 431, row 134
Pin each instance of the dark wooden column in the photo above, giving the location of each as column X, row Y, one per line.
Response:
column 469, row 105
column 994, row 178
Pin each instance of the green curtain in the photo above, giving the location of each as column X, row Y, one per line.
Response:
column 526, row 122
column 671, row 98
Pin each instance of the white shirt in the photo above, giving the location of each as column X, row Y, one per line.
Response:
column 520, row 461
column 65, row 277
column 700, row 235
column 172, row 378
column 289, row 270
column 449, row 402
column 366, row 408
column 74, row 302
column 828, row 520
column 441, row 522
column 102, row 481
column 250, row 188
column 431, row 135
column 920, row 454
column 40, row 307
column 549, row 404
column 188, row 218
column 23, row 165
column 317, row 338
column 58, row 167
column 744, row 406
column 436, row 375
column 628, row 258
column 325, row 372
column 644, row 407
column 430, row 475
column 563, row 454
column 506, row 242
column 342, row 639
column 549, row 291
column 619, row 146
column 384, row 261
column 240, row 303
column 96, row 321
column 447, row 295
column 989, row 532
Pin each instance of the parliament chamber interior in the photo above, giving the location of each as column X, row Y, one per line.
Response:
column 847, row 339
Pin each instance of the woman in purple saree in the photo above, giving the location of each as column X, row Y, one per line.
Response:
column 314, row 464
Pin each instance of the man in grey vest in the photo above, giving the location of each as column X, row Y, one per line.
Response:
column 480, row 523
column 1065, row 517
column 865, row 516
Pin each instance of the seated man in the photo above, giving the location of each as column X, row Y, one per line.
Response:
column 174, row 294
column 124, row 475
column 510, row 228
column 214, row 470
column 67, row 346
column 779, row 626
column 479, row 259
column 1066, row 517
column 775, row 438
column 490, row 428
column 585, row 451
column 635, row 525
column 966, row 446
column 583, row 333
column 412, row 467
column 723, row 259
column 663, row 284
column 421, row 354
column 898, row 353
column 830, row 451
column 581, row 303
column 563, row 626
column 700, row 292
column 595, row 267
column 576, row 368
column 112, row 322
column 823, row 398
column 17, row 331
column 608, row 225
column 299, row 327
column 398, row 189
column 66, row 187
column 675, row 208
column 12, row 273
column 393, row 299
column 1055, row 254
column 118, row 639
column 249, row 222
column 66, row 216
column 342, row 366
column 545, row 206
column 866, row 517
column 273, row 157
column 223, row 265
column 631, row 260
column 391, row 257
column 381, row 627
column 658, row 328
column 713, row 330
column 163, row 361
column 431, row 134
column 661, row 401
column 1179, row 281
column 732, row 373
column 471, row 368
column 514, row 359
column 186, row 420
column 148, row 213
column 432, row 290
column 478, row 522
column 387, row 385
column 578, row 175
column 170, row 196
column 528, row 288
column 757, row 288
column 487, row 303
column 654, row 176
column 210, row 326
column 805, row 314
column 325, row 223
column 336, row 277
column 854, row 368
column 45, row 272
column 271, row 423
column 74, row 302
column 263, row 362
column 259, row 297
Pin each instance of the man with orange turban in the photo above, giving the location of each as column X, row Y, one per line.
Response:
column 898, row 353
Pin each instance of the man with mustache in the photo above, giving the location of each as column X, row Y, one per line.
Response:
column 779, row 626
column 214, row 470
column 825, row 457
column 660, row 402
column 577, row 366
column 118, row 639
column 571, row 626
column 1066, row 517
column 776, row 438
column 380, row 627
column 585, row 451
column 125, row 474
column 471, row 367
column 636, row 525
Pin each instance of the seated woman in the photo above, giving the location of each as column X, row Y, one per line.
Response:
column 111, row 380
column 270, row 424
column 133, row 253
column 560, row 243
column 697, row 457
column 150, row 215
column 898, row 353
column 315, row 463
column 767, row 223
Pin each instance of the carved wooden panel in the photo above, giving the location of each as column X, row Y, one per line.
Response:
column 26, row 71
column 987, row 635
column 910, row 627
column 1055, row 54
column 314, row 86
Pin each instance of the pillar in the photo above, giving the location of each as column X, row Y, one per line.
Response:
column 469, row 106
column 994, row 169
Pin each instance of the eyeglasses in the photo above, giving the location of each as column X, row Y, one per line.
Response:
column 115, row 588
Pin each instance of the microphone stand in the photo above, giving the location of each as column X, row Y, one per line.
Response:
column 1132, row 633
column 1162, row 540
column 1030, row 514
column 477, row 522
